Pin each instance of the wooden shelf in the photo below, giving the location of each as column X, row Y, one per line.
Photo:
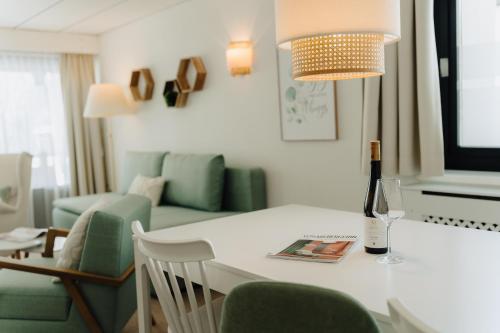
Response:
column 135, row 79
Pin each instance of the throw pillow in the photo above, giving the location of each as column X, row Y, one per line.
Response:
column 149, row 187
column 144, row 163
column 5, row 193
column 71, row 252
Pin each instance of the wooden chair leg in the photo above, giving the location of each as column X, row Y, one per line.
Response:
column 17, row 255
column 84, row 310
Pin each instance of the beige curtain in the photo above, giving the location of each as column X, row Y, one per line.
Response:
column 403, row 107
column 86, row 144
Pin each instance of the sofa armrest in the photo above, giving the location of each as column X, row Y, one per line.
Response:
column 244, row 190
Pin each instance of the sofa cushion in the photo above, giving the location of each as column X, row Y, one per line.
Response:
column 32, row 296
column 62, row 219
column 195, row 181
column 147, row 164
column 78, row 205
column 171, row 216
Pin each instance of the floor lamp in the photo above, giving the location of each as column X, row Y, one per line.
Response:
column 106, row 100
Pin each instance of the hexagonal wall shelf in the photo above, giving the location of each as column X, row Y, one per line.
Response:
column 173, row 96
column 184, row 85
column 135, row 89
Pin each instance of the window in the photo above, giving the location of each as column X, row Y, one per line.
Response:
column 31, row 116
column 468, row 43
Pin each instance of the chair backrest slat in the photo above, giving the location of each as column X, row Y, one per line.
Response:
column 208, row 298
column 192, row 298
column 178, row 296
column 160, row 255
column 161, row 287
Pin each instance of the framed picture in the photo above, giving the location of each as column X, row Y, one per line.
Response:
column 308, row 109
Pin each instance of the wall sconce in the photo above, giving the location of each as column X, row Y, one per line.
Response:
column 240, row 57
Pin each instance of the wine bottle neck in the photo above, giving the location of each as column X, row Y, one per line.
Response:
column 375, row 172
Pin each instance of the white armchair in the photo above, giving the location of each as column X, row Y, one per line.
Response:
column 15, row 172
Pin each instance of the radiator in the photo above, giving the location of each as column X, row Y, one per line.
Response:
column 459, row 210
column 458, row 222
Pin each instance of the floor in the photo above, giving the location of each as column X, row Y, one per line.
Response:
column 161, row 325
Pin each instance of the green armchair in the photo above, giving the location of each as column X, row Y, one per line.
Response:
column 99, row 297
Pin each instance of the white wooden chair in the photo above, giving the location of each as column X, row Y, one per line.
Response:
column 404, row 321
column 15, row 172
column 160, row 258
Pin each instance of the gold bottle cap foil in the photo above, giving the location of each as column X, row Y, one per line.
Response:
column 375, row 150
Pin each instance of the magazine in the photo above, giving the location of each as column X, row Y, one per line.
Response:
column 23, row 234
column 329, row 249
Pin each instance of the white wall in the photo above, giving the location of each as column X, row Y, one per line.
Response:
column 52, row 42
column 238, row 117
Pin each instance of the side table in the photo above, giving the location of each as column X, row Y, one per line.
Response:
column 9, row 248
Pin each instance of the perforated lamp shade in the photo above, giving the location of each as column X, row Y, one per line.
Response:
column 106, row 100
column 337, row 39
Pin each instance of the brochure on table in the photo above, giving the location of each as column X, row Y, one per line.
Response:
column 317, row 248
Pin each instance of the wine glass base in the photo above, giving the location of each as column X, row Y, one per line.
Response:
column 390, row 259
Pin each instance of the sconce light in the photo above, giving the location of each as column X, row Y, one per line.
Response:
column 240, row 57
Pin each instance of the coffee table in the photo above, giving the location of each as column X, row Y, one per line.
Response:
column 8, row 248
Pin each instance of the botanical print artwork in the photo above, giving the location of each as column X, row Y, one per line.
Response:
column 306, row 101
column 307, row 108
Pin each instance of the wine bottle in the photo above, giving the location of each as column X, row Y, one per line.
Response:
column 375, row 230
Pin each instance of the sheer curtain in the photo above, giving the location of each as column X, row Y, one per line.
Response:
column 32, row 120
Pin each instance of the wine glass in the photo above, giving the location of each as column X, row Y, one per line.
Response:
column 388, row 207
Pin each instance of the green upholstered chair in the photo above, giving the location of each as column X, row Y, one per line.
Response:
column 99, row 297
column 277, row 307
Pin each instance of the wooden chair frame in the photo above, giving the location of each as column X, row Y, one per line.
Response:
column 69, row 277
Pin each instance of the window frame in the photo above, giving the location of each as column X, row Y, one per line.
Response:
column 456, row 157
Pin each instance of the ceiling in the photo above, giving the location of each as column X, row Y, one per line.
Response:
column 77, row 16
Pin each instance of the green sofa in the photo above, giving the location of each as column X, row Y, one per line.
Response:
column 199, row 188
column 35, row 303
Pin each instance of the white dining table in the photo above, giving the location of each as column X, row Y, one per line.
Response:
column 450, row 278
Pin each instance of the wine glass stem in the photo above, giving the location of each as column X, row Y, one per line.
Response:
column 388, row 238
